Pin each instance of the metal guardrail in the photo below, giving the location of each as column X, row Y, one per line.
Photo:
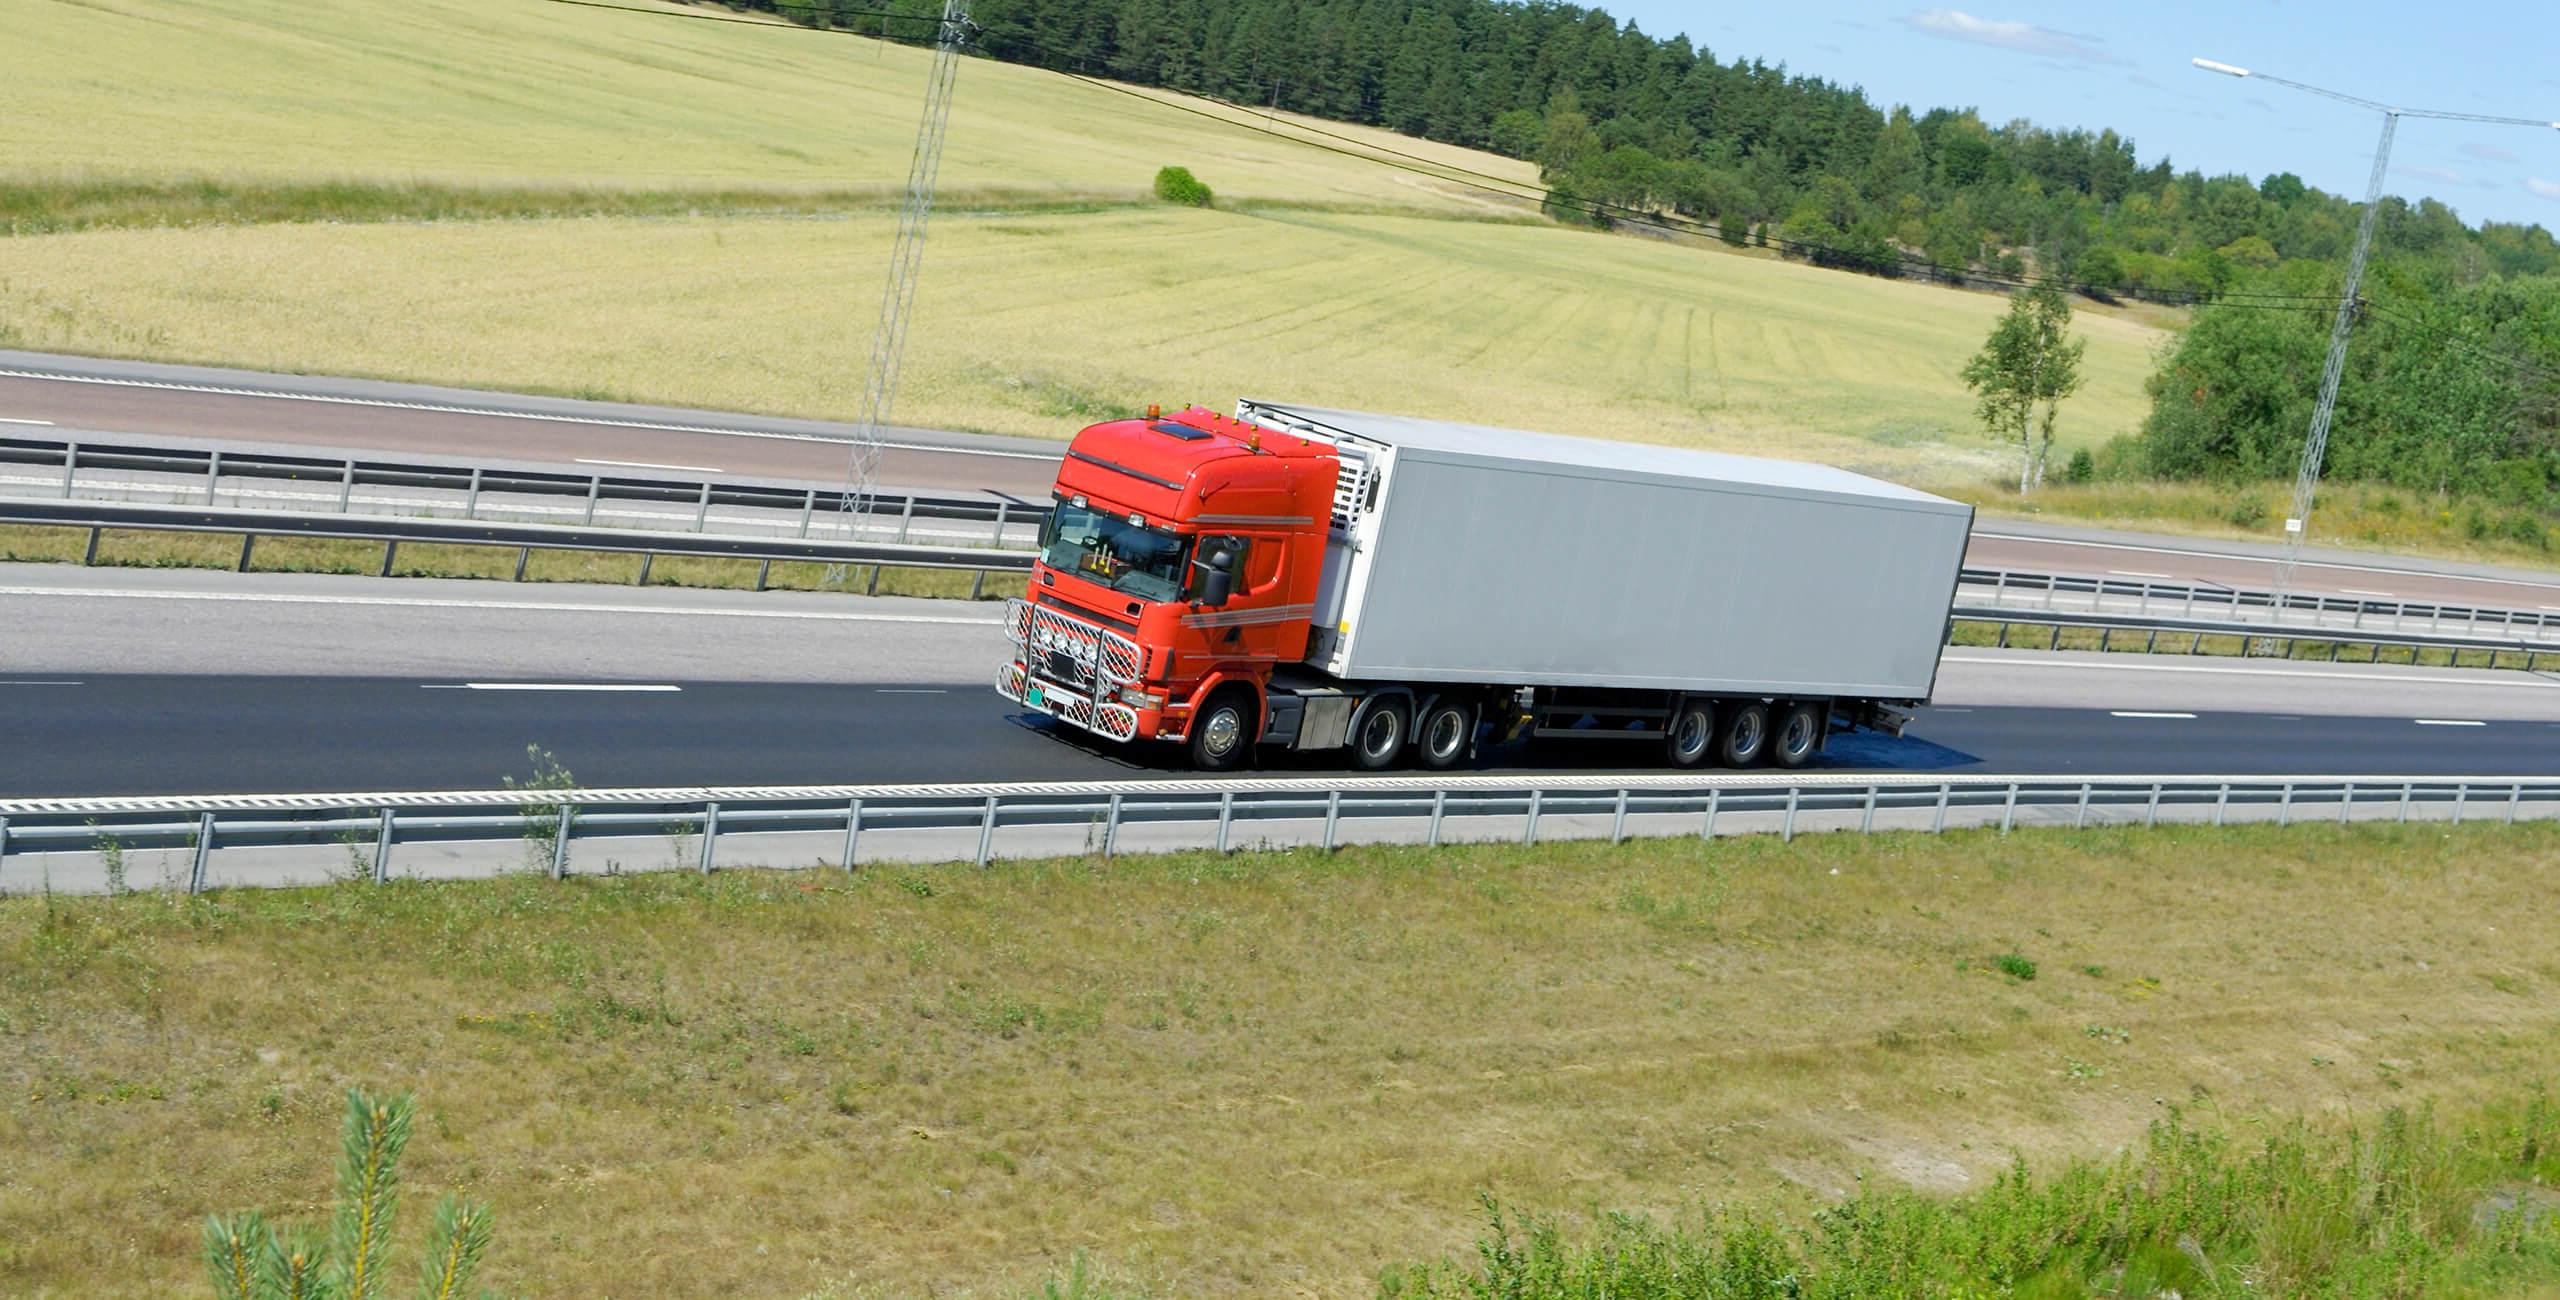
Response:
column 392, row 531
column 2478, row 620
column 2285, row 639
column 1314, row 812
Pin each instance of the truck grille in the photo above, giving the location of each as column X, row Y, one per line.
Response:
column 1072, row 651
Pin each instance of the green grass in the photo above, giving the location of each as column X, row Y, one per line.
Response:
column 2351, row 516
column 1229, row 1076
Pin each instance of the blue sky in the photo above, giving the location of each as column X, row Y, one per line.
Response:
column 2126, row 66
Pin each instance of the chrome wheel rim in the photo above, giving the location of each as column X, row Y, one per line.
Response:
column 1692, row 736
column 1224, row 728
column 1448, row 733
column 1798, row 737
column 1378, row 738
column 1748, row 731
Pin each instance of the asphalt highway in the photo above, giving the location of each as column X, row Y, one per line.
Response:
column 167, row 682
column 67, row 396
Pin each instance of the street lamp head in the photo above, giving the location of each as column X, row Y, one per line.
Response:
column 2226, row 69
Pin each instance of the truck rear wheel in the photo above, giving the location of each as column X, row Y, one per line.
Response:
column 1690, row 739
column 1447, row 728
column 1745, row 737
column 1798, row 736
column 1377, row 740
column 1222, row 733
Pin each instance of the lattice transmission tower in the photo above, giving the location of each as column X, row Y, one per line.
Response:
column 906, row 254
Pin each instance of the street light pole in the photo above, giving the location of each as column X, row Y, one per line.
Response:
column 2306, row 481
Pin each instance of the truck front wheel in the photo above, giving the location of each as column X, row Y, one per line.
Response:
column 1745, row 737
column 1222, row 732
column 1379, row 737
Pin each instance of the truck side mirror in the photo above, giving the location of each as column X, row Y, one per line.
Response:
column 1219, row 582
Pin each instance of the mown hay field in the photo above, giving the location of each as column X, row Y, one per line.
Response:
column 1036, row 323
column 523, row 91
column 1240, row 1076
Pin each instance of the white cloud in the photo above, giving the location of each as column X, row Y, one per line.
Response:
column 2440, row 175
column 2017, row 37
column 2487, row 152
column 2546, row 189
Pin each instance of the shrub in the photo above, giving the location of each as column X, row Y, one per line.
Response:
column 1178, row 185
column 2015, row 966
column 2083, row 467
column 2248, row 512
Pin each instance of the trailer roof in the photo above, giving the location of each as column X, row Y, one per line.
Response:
column 1488, row 441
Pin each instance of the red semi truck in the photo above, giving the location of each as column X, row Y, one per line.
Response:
column 1316, row 579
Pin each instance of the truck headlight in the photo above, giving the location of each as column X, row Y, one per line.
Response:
column 1138, row 699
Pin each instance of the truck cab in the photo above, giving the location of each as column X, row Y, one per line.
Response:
column 1177, row 569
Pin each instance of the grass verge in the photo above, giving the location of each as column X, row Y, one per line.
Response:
column 134, row 548
column 1266, row 1073
column 2361, row 516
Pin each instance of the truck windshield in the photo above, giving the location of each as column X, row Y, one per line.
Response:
column 1145, row 562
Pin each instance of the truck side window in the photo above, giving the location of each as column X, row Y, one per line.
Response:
column 1237, row 549
column 1262, row 569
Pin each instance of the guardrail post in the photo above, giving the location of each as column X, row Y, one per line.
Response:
column 70, row 466
column 764, row 574
column 382, row 850
column 2408, row 791
column 212, row 477
column 2009, row 808
column 524, row 556
column 2151, row 811
column 1938, row 825
column 595, row 490
column 1226, row 816
column 710, row 834
column 1111, row 827
column 204, row 850
column 1332, row 816
column 647, row 558
column 1787, row 829
column 2221, row 802
column 987, row 832
column 808, row 510
column 852, row 829
column 702, row 515
column 874, row 588
column 906, row 517
column 2080, row 815
column 347, row 488
column 1529, row 832
column 2461, row 791
column 4, row 843
column 1439, row 808
column 248, row 541
column 2515, row 800
column 1867, row 817
column 471, row 503
column 90, row 556
column 2346, row 801
column 560, row 843
column 2284, row 806
column 1617, row 821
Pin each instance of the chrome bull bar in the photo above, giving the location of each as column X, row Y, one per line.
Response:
column 1070, row 669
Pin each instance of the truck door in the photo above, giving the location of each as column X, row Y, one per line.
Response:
column 1257, row 623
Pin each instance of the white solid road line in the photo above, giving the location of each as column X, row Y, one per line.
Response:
column 6, row 420
column 2449, row 722
column 31, row 682
column 549, row 686
column 2254, row 559
column 647, row 464
column 914, row 690
column 2138, row 573
column 2363, row 591
column 2147, row 713
column 450, row 408
column 2310, row 672
column 546, row 606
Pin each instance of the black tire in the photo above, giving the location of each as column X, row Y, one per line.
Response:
column 1690, row 738
column 1447, row 735
column 1378, row 739
column 1744, row 738
column 1223, row 732
column 1798, row 735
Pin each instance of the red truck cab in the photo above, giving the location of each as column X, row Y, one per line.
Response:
column 1177, row 570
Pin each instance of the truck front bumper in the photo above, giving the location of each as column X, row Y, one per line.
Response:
column 1070, row 669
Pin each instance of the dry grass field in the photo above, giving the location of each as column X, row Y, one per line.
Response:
column 1257, row 1075
column 1036, row 323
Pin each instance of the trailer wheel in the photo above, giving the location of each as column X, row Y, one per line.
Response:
column 1447, row 727
column 1222, row 733
column 1799, row 734
column 1378, row 739
column 1745, row 737
column 1690, row 741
